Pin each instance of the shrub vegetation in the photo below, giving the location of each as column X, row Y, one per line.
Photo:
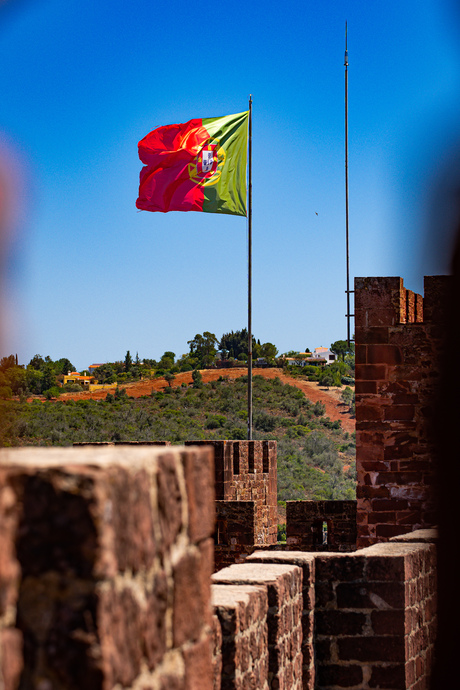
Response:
column 312, row 450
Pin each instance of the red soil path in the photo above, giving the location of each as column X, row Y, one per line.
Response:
column 335, row 410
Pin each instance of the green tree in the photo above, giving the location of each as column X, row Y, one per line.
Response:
column 269, row 351
column 17, row 379
column 34, row 380
column 63, row 366
column 37, row 362
column 128, row 361
column 347, row 396
column 12, row 376
column 256, row 349
column 341, row 348
column 350, row 362
column 7, row 362
column 105, row 374
column 186, row 363
column 327, row 379
column 49, row 377
column 5, row 391
column 118, row 367
column 169, row 377
column 330, row 377
column 197, row 379
column 52, row 392
column 235, row 342
column 120, row 394
column 203, row 348
column 167, row 360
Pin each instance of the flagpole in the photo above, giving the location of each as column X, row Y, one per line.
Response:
column 346, row 187
column 250, row 273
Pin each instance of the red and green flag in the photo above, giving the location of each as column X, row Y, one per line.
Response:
column 198, row 165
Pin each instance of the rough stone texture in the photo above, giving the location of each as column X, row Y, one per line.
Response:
column 242, row 614
column 235, row 532
column 375, row 617
column 283, row 584
column 423, row 536
column 216, row 652
column 105, row 562
column 304, row 525
column 305, row 561
column 399, row 340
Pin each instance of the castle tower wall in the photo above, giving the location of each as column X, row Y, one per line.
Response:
column 399, row 340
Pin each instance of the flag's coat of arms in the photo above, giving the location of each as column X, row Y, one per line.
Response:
column 207, row 160
column 208, row 164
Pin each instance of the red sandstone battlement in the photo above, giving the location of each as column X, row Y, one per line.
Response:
column 385, row 302
column 105, row 583
column 321, row 525
column 106, row 556
column 399, row 342
column 246, row 471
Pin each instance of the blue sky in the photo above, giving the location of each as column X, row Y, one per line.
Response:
column 88, row 277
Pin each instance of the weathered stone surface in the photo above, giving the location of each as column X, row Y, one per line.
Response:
column 374, row 612
column 242, row 614
column 307, row 562
column 400, row 346
column 105, row 568
column 283, row 584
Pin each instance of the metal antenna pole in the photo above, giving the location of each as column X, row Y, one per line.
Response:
column 346, row 186
column 250, row 273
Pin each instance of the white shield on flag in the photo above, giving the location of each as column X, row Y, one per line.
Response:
column 207, row 161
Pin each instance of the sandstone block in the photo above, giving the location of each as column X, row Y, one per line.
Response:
column 283, row 584
column 105, row 571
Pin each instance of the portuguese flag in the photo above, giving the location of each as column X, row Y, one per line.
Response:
column 199, row 165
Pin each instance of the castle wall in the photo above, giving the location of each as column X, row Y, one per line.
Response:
column 399, row 338
column 241, row 613
column 374, row 617
column 106, row 557
column 282, row 585
column 368, row 617
column 245, row 480
column 105, row 563
column 235, row 533
column 321, row 525
column 306, row 562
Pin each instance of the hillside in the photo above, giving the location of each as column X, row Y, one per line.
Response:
column 316, row 455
